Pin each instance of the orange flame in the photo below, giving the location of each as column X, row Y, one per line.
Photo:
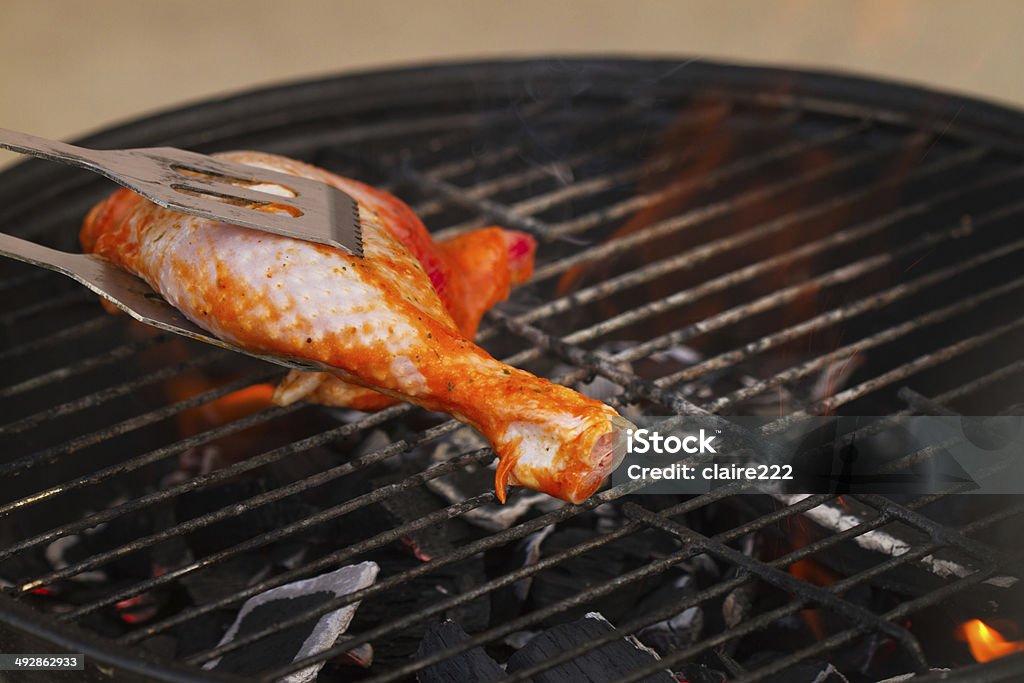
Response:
column 812, row 572
column 233, row 406
column 986, row 643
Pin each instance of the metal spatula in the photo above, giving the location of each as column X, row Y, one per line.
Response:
column 202, row 186
column 129, row 293
column 195, row 184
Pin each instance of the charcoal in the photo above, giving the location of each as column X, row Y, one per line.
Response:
column 518, row 639
column 474, row 478
column 413, row 504
column 140, row 608
column 810, row 671
column 281, row 603
column 162, row 646
column 201, row 633
column 594, row 567
column 698, row 673
column 115, row 533
column 226, row 577
column 426, row 589
column 608, row 662
column 258, row 520
column 874, row 655
column 22, row 566
column 276, row 650
column 679, row 630
column 288, row 554
column 530, row 549
column 738, row 604
column 61, row 552
column 472, row 665
column 361, row 655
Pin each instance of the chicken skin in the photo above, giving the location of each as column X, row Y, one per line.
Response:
column 392, row 325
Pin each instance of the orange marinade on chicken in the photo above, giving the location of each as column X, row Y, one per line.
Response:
column 395, row 322
column 471, row 273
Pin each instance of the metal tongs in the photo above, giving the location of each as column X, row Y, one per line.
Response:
column 202, row 186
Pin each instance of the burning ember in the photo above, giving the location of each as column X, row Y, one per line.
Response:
column 223, row 410
column 986, row 643
column 819, row 575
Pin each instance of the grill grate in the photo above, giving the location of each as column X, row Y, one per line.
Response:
column 775, row 232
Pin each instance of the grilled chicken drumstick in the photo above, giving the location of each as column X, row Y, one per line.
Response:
column 394, row 322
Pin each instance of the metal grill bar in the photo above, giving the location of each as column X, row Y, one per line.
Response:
column 508, row 627
column 349, row 643
column 778, row 298
column 511, row 181
column 923, row 404
column 719, row 589
column 936, row 531
column 904, row 609
column 641, row 201
column 137, row 422
column 76, row 295
column 205, row 520
column 69, row 185
column 968, row 388
column 514, row 215
column 877, row 339
column 153, row 456
column 488, row 207
column 481, row 456
column 24, row 279
column 728, row 280
column 832, row 317
column 842, row 585
column 780, row 579
column 920, row 363
column 722, row 588
column 172, row 492
column 110, row 393
column 704, row 252
column 78, row 367
column 205, row 480
column 482, row 545
column 694, row 216
column 75, row 332
column 802, row 506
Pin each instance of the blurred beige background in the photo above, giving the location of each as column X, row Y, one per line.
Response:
column 72, row 66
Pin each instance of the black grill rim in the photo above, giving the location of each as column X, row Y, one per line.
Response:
column 198, row 123
column 210, row 124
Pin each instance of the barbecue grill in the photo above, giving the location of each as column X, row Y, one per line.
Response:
column 711, row 239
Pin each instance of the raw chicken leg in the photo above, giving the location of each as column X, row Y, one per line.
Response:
column 381, row 321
